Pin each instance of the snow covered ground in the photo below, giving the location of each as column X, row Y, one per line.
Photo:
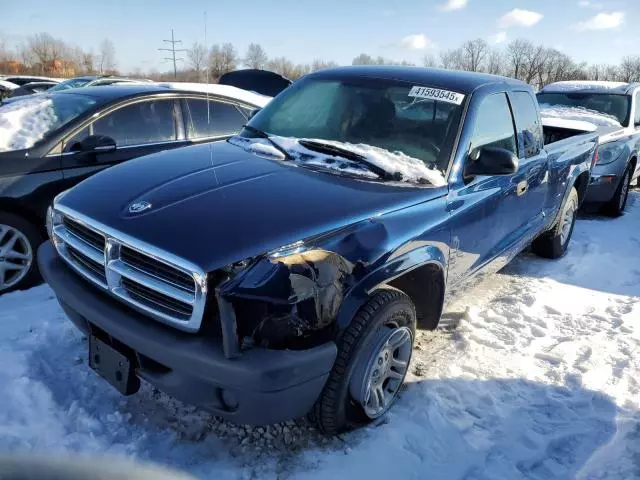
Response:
column 539, row 381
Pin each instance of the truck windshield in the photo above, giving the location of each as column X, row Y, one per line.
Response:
column 25, row 122
column 609, row 104
column 392, row 116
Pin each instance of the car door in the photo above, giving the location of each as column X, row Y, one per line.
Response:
column 139, row 127
column 211, row 119
column 484, row 210
column 533, row 160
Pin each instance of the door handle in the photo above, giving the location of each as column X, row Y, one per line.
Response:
column 522, row 188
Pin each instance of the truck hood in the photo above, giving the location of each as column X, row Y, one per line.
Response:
column 216, row 204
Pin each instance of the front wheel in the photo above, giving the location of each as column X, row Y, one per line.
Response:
column 554, row 243
column 19, row 240
column 372, row 362
column 616, row 206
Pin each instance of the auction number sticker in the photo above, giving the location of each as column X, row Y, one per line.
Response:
column 437, row 94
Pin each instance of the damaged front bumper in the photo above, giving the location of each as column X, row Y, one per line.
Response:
column 259, row 387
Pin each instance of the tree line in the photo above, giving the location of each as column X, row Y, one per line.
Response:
column 533, row 63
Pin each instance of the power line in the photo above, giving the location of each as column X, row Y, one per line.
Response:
column 173, row 51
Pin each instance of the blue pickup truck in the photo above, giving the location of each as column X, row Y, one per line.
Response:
column 285, row 271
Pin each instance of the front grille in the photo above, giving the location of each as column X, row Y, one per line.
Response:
column 90, row 237
column 157, row 269
column 171, row 291
column 157, row 300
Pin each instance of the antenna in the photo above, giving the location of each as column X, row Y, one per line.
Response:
column 173, row 51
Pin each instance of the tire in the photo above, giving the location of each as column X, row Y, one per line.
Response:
column 388, row 312
column 554, row 243
column 26, row 239
column 618, row 203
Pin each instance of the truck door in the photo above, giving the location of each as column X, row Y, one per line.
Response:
column 534, row 164
column 485, row 210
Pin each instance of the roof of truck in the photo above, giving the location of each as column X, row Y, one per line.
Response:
column 456, row 80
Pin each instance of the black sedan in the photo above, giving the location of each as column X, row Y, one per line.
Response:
column 31, row 88
column 52, row 141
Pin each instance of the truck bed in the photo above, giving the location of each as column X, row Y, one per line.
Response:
column 557, row 129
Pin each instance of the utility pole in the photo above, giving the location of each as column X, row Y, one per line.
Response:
column 173, row 51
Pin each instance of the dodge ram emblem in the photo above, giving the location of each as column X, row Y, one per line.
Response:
column 139, row 207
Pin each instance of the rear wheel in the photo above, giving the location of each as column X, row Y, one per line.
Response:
column 19, row 240
column 616, row 206
column 554, row 243
column 372, row 362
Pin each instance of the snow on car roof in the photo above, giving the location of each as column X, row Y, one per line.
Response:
column 579, row 114
column 8, row 85
column 223, row 90
column 569, row 124
column 578, row 85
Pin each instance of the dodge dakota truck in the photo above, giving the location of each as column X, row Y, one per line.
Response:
column 285, row 271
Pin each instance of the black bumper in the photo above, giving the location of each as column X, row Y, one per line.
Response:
column 261, row 386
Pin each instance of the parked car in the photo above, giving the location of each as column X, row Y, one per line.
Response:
column 285, row 270
column 255, row 80
column 6, row 88
column 52, row 141
column 24, row 79
column 31, row 88
column 615, row 107
column 93, row 81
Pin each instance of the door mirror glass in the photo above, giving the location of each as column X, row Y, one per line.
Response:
column 95, row 143
column 491, row 161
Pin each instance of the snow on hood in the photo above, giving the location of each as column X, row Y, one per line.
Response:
column 235, row 93
column 411, row 169
column 580, row 114
column 572, row 86
column 24, row 123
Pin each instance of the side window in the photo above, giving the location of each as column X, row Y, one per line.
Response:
column 637, row 119
column 528, row 123
column 71, row 143
column 223, row 118
column 139, row 123
column 494, row 125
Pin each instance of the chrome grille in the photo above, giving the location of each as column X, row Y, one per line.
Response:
column 156, row 283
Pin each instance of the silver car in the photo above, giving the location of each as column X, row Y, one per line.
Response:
column 615, row 109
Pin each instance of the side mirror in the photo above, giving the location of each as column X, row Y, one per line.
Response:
column 253, row 112
column 95, row 143
column 491, row 161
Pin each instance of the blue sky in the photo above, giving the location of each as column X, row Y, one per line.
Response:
column 589, row 30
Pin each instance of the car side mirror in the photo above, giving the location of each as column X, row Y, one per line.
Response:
column 491, row 161
column 95, row 143
column 253, row 112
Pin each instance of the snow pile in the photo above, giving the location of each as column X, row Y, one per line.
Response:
column 578, row 113
column 412, row 170
column 24, row 123
column 222, row 90
column 576, row 85
column 539, row 381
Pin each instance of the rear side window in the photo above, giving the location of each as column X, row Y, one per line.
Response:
column 494, row 125
column 528, row 123
column 223, row 118
column 140, row 123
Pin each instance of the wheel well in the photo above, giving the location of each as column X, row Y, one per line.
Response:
column 581, row 184
column 633, row 162
column 425, row 286
column 15, row 208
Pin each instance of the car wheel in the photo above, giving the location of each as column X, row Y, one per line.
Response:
column 372, row 362
column 554, row 243
column 19, row 240
column 616, row 206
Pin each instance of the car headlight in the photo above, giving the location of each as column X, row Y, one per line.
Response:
column 610, row 152
column 53, row 219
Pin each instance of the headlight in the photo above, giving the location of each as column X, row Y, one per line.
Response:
column 610, row 152
column 53, row 219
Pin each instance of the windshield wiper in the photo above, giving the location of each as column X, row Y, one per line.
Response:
column 266, row 136
column 349, row 155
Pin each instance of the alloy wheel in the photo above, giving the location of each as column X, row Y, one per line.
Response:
column 16, row 256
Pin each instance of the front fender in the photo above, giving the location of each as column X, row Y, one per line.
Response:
column 358, row 295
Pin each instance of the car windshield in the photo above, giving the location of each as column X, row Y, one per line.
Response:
column 392, row 123
column 25, row 122
column 72, row 83
column 609, row 104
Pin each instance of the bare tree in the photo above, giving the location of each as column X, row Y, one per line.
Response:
column 197, row 56
column 473, row 54
column 256, row 57
column 321, row 65
column 430, row 61
column 516, row 56
column 88, row 62
column 495, row 62
column 222, row 59
column 106, row 57
column 452, row 59
column 629, row 70
column 363, row 59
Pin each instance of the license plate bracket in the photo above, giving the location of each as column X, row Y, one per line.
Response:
column 115, row 367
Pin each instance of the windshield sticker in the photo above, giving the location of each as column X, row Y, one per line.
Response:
column 437, row 94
